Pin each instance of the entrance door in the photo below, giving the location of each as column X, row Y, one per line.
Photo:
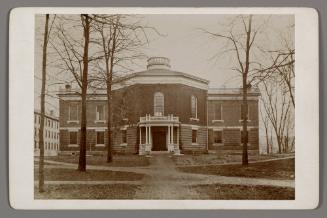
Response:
column 159, row 139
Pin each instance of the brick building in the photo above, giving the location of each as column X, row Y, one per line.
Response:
column 160, row 110
column 50, row 134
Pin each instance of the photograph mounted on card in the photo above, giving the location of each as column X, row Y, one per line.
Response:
column 193, row 106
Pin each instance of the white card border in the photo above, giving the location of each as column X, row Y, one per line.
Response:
column 21, row 108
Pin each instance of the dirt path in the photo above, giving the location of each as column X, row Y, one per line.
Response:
column 164, row 182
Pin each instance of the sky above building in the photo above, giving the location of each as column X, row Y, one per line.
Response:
column 183, row 40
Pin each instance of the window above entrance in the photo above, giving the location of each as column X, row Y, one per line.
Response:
column 159, row 104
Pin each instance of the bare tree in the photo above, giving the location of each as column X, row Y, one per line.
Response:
column 277, row 107
column 47, row 31
column 265, row 121
column 120, row 43
column 241, row 45
column 73, row 52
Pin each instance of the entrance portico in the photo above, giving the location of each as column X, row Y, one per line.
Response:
column 159, row 133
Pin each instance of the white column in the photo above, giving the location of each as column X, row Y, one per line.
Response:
column 169, row 135
column 146, row 135
column 140, row 135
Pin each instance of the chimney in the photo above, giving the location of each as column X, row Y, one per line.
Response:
column 158, row 63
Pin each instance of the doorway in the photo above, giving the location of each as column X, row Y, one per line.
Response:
column 159, row 139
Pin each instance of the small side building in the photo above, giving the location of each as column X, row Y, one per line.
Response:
column 50, row 134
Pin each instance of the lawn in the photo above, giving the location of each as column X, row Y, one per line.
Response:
column 61, row 174
column 241, row 192
column 118, row 160
column 221, row 157
column 278, row 169
column 116, row 191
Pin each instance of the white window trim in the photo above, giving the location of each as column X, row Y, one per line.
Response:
column 123, row 144
column 124, row 127
column 194, row 127
column 100, row 121
column 100, row 145
column 196, row 108
column 241, row 121
column 217, row 121
column 218, row 144
column 97, row 120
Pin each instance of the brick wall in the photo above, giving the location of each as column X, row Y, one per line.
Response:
column 232, row 137
column 90, row 113
column 177, row 101
column 186, row 139
column 231, row 113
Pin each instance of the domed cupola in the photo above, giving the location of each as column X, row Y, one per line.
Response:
column 158, row 63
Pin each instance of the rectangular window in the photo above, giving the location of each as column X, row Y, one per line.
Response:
column 100, row 138
column 73, row 138
column 123, row 136
column 194, row 136
column 194, row 107
column 218, row 136
column 243, row 137
column 242, row 108
column 73, row 112
column 217, row 111
column 100, row 112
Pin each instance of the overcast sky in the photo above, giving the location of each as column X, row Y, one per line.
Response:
column 189, row 49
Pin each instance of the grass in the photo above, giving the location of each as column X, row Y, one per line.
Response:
column 241, row 192
column 116, row 191
column 101, row 160
column 60, row 174
column 221, row 157
column 278, row 169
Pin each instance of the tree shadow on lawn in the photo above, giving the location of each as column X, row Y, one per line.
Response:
column 62, row 174
column 101, row 160
column 278, row 169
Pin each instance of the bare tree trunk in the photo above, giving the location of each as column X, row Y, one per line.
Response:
column 109, row 123
column 267, row 138
column 245, row 95
column 44, row 74
column 82, row 157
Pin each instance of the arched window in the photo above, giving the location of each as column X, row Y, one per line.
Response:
column 159, row 104
column 194, row 107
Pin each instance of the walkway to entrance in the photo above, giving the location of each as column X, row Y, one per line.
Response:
column 164, row 182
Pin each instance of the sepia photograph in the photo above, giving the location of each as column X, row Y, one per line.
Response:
column 164, row 106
